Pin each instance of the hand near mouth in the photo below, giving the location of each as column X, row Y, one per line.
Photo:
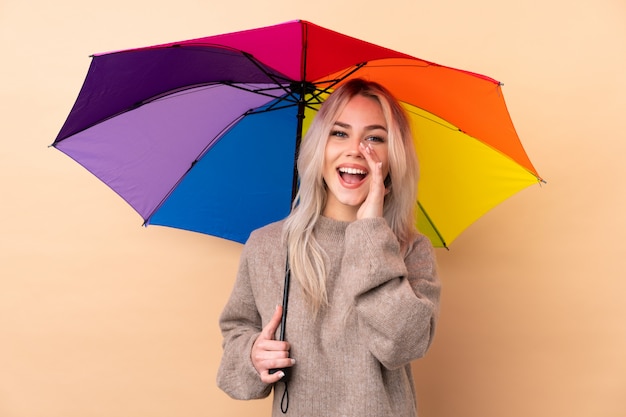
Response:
column 373, row 204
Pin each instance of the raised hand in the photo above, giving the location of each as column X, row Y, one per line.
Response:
column 373, row 204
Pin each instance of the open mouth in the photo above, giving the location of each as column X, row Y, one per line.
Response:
column 352, row 175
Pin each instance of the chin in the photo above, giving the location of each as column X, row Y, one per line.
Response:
column 354, row 203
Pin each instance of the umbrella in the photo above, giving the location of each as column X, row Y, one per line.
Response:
column 203, row 134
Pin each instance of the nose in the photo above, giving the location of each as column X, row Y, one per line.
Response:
column 354, row 148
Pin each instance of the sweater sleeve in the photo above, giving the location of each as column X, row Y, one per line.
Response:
column 240, row 324
column 396, row 297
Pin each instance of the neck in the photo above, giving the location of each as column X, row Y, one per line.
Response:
column 340, row 212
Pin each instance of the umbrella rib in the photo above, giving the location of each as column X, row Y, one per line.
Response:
column 426, row 64
column 433, row 120
column 432, row 224
column 456, row 129
column 273, row 77
column 193, row 163
column 315, row 94
column 259, row 91
column 137, row 104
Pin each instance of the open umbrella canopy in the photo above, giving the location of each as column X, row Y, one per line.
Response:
column 203, row 134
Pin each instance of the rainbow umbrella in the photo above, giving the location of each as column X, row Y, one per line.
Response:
column 202, row 134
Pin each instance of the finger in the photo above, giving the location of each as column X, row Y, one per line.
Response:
column 373, row 204
column 269, row 330
column 271, row 360
column 268, row 378
column 276, row 371
column 270, row 349
column 268, row 354
column 369, row 154
column 375, row 165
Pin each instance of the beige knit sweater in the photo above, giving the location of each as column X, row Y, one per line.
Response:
column 353, row 359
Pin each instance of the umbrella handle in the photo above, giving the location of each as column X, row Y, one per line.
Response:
column 283, row 319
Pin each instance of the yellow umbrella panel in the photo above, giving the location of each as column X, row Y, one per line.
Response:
column 461, row 178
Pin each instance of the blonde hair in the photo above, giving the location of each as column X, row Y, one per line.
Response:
column 306, row 257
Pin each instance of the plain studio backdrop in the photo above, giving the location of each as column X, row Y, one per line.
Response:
column 102, row 317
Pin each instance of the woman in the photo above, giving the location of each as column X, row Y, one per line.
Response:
column 364, row 297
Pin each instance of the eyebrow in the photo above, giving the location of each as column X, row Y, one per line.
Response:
column 370, row 127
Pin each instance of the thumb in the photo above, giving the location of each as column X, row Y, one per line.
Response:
column 270, row 328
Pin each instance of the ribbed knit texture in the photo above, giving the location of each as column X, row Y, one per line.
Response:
column 353, row 358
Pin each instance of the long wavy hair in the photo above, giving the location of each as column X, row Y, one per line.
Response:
column 306, row 257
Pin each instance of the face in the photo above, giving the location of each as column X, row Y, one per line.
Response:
column 346, row 171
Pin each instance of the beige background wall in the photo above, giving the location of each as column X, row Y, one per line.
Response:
column 101, row 317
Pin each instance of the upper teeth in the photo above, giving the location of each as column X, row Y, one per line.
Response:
column 352, row 171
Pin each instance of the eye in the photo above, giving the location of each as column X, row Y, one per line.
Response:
column 339, row 134
column 376, row 139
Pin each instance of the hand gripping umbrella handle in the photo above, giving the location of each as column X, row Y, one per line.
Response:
column 284, row 403
column 283, row 319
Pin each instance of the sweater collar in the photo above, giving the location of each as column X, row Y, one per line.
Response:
column 327, row 228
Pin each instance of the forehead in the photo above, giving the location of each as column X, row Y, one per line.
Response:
column 362, row 110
